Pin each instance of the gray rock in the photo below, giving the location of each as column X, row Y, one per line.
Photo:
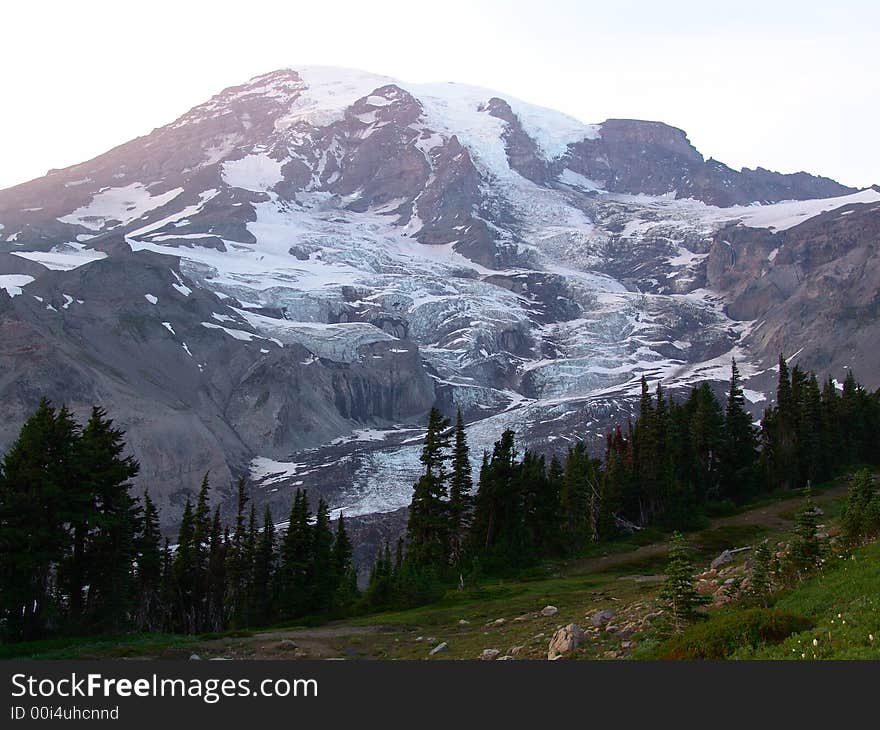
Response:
column 549, row 611
column 489, row 654
column 565, row 640
column 722, row 559
column 600, row 618
column 442, row 646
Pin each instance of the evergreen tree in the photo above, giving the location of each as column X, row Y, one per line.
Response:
column 460, row 500
column 805, row 546
column 263, row 571
column 33, row 507
column 760, row 585
column 739, row 448
column 428, row 526
column 857, row 520
column 323, row 577
column 237, row 567
column 346, row 577
column 110, row 549
column 148, row 615
column 295, row 559
column 183, row 610
column 678, row 594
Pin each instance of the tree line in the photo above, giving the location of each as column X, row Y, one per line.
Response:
column 80, row 554
column 667, row 467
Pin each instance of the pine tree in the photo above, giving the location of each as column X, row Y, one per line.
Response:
column 215, row 614
column 261, row 598
column 148, row 615
column 460, row 499
column 428, row 526
column 856, row 520
column 346, row 576
column 739, row 448
column 237, row 568
column 184, row 612
column 295, row 560
column 34, row 505
column 322, row 576
column 760, row 585
column 110, row 548
column 805, row 551
column 678, row 595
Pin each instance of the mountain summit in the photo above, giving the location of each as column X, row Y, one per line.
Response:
column 281, row 282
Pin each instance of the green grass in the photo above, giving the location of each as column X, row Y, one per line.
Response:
column 96, row 647
column 844, row 603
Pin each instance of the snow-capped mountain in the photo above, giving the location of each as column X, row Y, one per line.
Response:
column 282, row 281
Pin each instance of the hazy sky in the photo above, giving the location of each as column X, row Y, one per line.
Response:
column 785, row 85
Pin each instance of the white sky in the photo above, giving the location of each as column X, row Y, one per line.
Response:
column 785, row 85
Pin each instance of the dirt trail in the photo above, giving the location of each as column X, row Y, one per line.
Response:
column 771, row 516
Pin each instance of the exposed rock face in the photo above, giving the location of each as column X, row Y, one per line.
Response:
column 811, row 288
column 633, row 156
column 280, row 283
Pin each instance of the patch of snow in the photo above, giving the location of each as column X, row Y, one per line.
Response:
column 13, row 283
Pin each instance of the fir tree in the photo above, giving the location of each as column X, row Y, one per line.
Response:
column 148, row 615
column 678, row 594
column 805, row 546
column 739, row 449
column 263, row 571
column 460, row 500
column 428, row 526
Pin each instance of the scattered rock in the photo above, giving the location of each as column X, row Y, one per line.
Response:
column 442, row 646
column 549, row 611
column 463, row 622
column 722, row 559
column 419, row 638
column 487, row 655
column 516, row 650
column 287, row 645
column 194, row 657
column 505, row 658
column 565, row 640
column 600, row 618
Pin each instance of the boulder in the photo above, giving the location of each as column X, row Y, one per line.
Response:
column 549, row 611
column 600, row 618
column 722, row 559
column 565, row 640
column 287, row 645
column 194, row 657
column 487, row 655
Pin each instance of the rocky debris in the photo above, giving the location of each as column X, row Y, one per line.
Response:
column 488, row 655
column 442, row 646
column 516, row 650
column 497, row 622
column 505, row 658
column 194, row 657
column 463, row 622
column 287, row 645
column 549, row 611
column 565, row 640
column 600, row 618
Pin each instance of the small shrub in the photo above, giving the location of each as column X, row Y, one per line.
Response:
column 727, row 631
